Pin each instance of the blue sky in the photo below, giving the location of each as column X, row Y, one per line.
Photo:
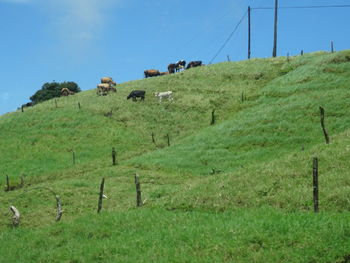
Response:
column 83, row 40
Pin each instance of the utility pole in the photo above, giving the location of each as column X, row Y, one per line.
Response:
column 248, row 32
column 274, row 52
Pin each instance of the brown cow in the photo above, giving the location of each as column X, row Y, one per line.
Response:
column 164, row 73
column 151, row 73
column 66, row 92
column 104, row 88
column 108, row 80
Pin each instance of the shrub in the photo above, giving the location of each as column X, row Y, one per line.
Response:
column 52, row 90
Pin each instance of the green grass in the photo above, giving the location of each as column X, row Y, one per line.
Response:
column 145, row 235
column 210, row 180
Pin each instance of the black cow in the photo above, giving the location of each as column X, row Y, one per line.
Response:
column 193, row 64
column 137, row 94
column 180, row 64
column 171, row 68
column 28, row 104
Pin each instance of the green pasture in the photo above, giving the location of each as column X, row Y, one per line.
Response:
column 236, row 191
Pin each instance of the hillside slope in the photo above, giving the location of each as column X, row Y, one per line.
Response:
column 257, row 154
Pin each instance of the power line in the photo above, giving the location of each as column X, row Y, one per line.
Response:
column 229, row 37
column 302, row 7
column 207, row 29
column 271, row 8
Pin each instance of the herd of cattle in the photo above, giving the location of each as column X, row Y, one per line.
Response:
column 107, row 84
column 172, row 68
column 141, row 94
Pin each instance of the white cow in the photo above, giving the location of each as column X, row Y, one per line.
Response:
column 165, row 94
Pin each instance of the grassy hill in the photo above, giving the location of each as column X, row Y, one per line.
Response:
column 236, row 191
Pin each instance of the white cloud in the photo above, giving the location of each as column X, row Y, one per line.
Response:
column 75, row 20
column 80, row 20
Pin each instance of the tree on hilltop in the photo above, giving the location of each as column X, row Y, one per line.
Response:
column 53, row 90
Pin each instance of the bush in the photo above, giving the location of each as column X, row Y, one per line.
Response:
column 52, row 90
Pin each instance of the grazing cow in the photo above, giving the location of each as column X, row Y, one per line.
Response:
column 193, row 64
column 28, row 104
column 179, row 65
column 104, row 88
column 171, row 68
column 113, row 89
column 151, row 73
column 108, row 80
column 66, row 92
column 165, row 94
column 137, row 94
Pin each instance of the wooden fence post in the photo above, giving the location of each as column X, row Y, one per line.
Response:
column 79, row 106
column 138, row 191
column 287, row 57
column 302, row 52
column 22, row 181
column 168, row 139
column 153, row 140
column 56, row 103
column 332, row 46
column 73, row 158
column 212, row 117
column 16, row 216
column 323, row 126
column 7, row 183
column 59, row 208
column 101, row 195
column 22, row 108
column 315, row 183
column 228, row 58
column 114, row 156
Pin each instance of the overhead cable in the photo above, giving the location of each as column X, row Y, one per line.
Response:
column 229, row 37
